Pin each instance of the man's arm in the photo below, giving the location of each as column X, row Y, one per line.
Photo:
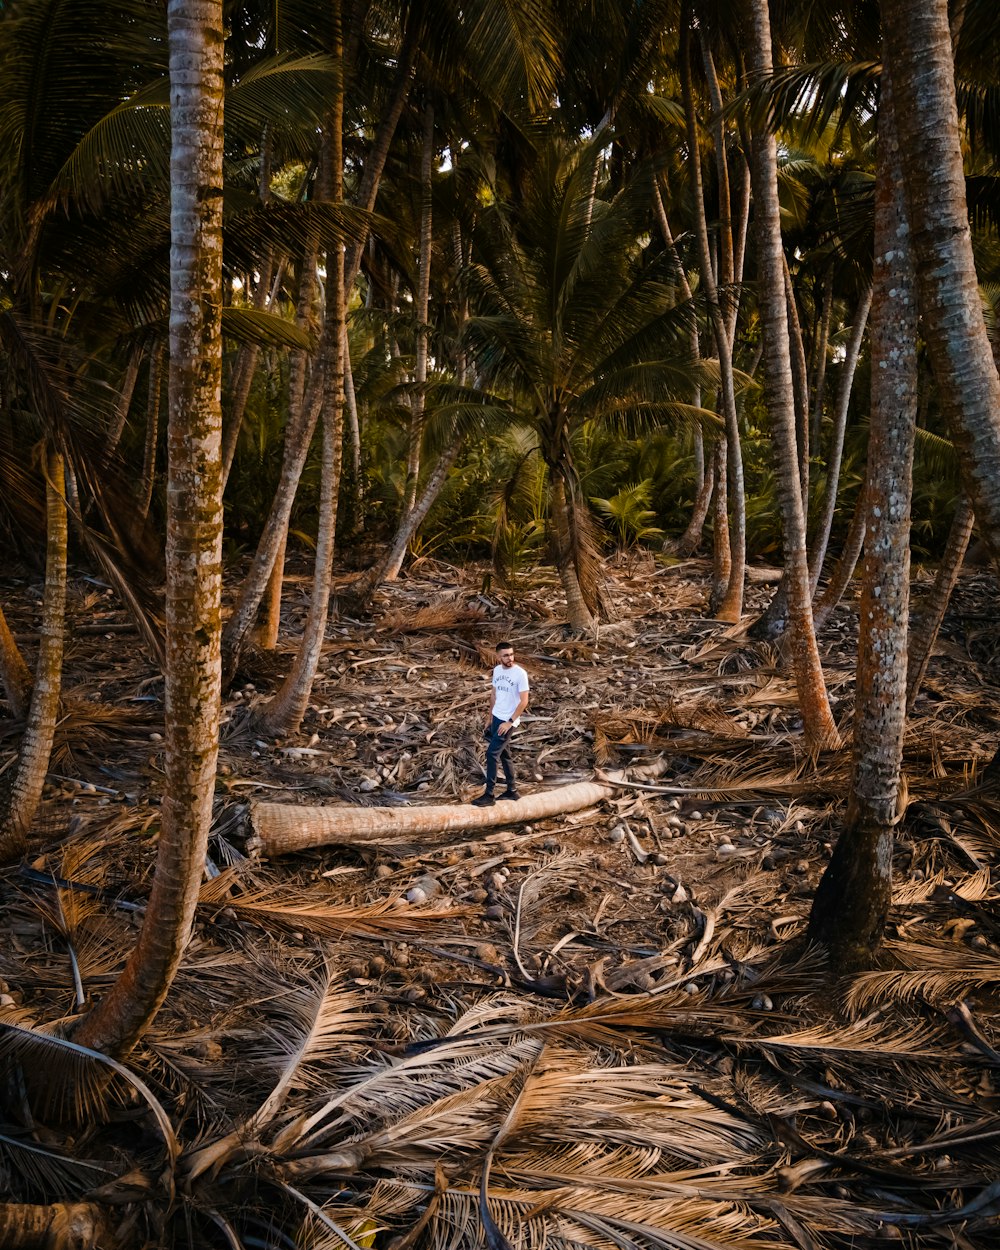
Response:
column 522, row 703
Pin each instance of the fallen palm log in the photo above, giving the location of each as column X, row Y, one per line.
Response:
column 282, row 828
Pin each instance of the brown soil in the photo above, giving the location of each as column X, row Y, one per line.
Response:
column 669, row 918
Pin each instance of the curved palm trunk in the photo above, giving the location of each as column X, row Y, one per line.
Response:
column 731, row 606
column 581, row 618
column 368, row 583
column 194, row 528
column 353, row 493
column 152, row 429
column 818, row 553
column 818, row 724
column 918, row 49
column 304, row 403
column 843, row 571
column 126, row 389
column 932, row 610
column 20, row 803
column 284, row 713
column 690, row 540
column 421, row 310
column 852, row 900
column 14, row 672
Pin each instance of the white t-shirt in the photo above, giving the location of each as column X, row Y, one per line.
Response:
column 508, row 684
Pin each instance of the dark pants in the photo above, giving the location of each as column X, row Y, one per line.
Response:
column 499, row 749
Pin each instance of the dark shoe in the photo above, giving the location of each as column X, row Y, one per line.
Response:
column 484, row 800
column 513, row 795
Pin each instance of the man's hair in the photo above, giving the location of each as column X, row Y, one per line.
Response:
column 505, row 646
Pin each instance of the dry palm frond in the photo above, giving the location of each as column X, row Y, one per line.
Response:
column 76, row 1085
column 936, row 973
column 288, row 909
column 390, row 1092
column 38, row 1171
column 872, row 1040
column 436, row 618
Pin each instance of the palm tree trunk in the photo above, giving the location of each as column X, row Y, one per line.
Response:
column 284, row 828
column 853, row 897
column 61, row 1226
column 844, row 569
column 304, row 403
column 691, row 538
column 126, row 389
column 353, row 496
column 818, row 724
column 581, row 619
column 822, row 539
column 397, row 551
column 731, row 606
column 152, row 429
column 15, row 675
column 932, row 610
column 194, row 527
column 270, row 624
column 20, row 803
column 369, row 582
column 800, row 383
column 283, row 715
column 821, row 347
column 722, row 561
column 918, row 49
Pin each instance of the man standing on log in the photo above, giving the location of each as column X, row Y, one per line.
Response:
column 510, row 698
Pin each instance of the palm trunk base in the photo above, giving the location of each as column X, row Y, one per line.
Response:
column 61, row 1226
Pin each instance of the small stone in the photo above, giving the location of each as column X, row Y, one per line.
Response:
column 538, row 776
column 6, row 1001
column 616, row 835
column 979, row 941
column 827, row 1110
column 726, row 848
column 367, row 784
column 761, row 1002
column 498, row 880
column 889, row 1232
column 675, row 804
column 376, row 966
column 414, row 993
column 799, row 827
column 494, row 912
column 384, row 870
column 680, row 895
column 156, row 737
column 694, row 815
column 801, row 867
column 431, row 886
column 658, row 858
column 357, row 968
column 550, row 845
column 690, row 988
column 416, row 895
column 401, row 956
column 476, row 895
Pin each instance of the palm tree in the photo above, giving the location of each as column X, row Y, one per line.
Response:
column 20, row 796
column 194, row 526
column 852, row 900
column 918, row 49
column 818, row 724
column 572, row 323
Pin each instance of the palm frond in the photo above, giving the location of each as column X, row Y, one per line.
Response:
column 76, row 1083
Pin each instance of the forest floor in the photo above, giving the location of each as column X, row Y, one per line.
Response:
column 599, row 1029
